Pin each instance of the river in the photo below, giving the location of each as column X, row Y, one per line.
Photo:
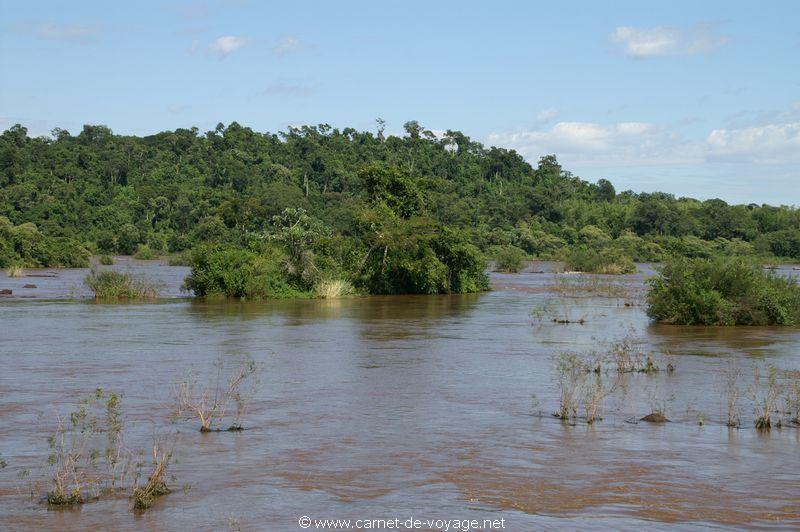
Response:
column 398, row 407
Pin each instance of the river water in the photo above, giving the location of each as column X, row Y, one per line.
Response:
column 398, row 407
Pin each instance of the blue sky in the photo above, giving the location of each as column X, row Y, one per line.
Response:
column 694, row 98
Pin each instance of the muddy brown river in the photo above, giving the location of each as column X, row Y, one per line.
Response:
column 431, row 407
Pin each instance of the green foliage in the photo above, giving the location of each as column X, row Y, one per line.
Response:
column 241, row 273
column 106, row 260
column 607, row 261
column 112, row 284
column 128, row 238
column 145, row 253
column 180, row 189
column 722, row 291
column 508, row 258
column 417, row 256
column 24, row 245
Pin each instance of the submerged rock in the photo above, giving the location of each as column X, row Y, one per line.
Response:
column 5, row 292
column 655, row 417
column 29, row 286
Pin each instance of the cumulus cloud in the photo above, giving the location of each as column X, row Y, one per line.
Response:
column 643, row 43
column 742, row 161
column 768, row 144
column 222, row 47
column 772, row 140
column 71, row 33
column 619, row 143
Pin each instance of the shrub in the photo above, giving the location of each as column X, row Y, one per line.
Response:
column 111, row 284
column 240, row 273
column 128, row 239
column 508, row 259
column 106, row 260
column 722, row 291
column 606, row 261
column 143, row 496
column 765, row 392
column 23, row 245
column 145, row 253
column 637, row 248
column 419, row 257
column 180, row 259
column 86, row 451
column 209, row 404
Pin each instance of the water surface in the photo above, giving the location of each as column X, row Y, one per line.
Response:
column 401, row 406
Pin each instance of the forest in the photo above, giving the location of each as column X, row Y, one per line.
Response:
column 316, row 208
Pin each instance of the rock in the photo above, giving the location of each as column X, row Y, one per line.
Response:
column 5, row 292
column 29, row 286
column 655, row 417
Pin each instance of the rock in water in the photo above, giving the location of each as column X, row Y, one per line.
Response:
column 655, row 417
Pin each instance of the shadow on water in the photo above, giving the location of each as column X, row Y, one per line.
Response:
column 371, row 308
column 723, row 341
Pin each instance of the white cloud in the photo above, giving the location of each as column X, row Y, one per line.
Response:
column 623, row 143
column 642, row 43
column 224, row 46
column 288, row 45
column 753, row 161
column 768, row 144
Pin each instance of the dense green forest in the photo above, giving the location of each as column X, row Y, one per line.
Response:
column 389, row 214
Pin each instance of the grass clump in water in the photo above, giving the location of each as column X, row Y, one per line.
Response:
column 16, row 271
column 112, row 284
column 611, row 261
column 333, row 289
column 722, row 291
column 106, row 260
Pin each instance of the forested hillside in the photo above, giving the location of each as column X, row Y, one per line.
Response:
column 367, row 194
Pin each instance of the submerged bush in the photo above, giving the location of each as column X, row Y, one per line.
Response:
column 606, row 261
column 144, row 252
column 240, row 273
column 722, row 291
column 508, row 259
column 211, row 403
column 111, row 284
column 144, row 495
column 106, row 260
column 417, row 256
